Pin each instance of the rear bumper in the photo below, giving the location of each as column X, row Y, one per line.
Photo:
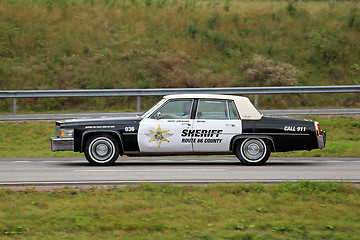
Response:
column 62, row 144
column 322, row 140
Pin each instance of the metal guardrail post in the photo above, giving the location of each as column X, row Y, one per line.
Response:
column 14, row 105
column 138, row 103
column 256, row 100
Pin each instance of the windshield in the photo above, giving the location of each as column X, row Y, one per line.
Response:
column 156, row 106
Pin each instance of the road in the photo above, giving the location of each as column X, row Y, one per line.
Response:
column 187, row 170
column 281, row 112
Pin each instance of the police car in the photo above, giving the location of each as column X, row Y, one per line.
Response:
column 197, row 124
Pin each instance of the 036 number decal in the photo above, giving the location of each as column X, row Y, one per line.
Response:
column 129, row 129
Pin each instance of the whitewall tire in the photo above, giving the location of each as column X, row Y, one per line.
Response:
column 253, row 151
column 101, row 149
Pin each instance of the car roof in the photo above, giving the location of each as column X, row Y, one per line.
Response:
column 245, row 108
column 212, row 96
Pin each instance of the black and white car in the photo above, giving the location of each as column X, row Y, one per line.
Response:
column 196, row 124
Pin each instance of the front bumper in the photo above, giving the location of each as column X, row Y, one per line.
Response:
column 62, row 144
column 322, row 140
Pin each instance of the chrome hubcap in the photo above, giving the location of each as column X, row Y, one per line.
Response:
column 253, row 150
column 102, row 149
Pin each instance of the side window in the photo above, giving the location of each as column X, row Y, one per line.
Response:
column 234, row 115
column 174, row 109
column 212, row 109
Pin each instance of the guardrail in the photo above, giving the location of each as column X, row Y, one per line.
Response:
column 15, row 94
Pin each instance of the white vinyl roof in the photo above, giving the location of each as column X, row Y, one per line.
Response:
column 245, row 108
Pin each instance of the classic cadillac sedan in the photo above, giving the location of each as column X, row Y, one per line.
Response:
column 195, row 124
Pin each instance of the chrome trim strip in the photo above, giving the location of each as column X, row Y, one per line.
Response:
column 289, row 134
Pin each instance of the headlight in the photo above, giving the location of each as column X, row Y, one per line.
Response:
column 66, row 133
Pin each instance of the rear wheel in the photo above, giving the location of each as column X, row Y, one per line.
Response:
column 253, row 151
column 101, row 150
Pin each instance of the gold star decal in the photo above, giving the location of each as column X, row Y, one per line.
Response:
column 159, row 135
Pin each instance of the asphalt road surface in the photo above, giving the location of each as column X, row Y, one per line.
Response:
column 187, row 170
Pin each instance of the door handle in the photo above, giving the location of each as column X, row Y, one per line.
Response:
column 232, row 125
column 188, row 124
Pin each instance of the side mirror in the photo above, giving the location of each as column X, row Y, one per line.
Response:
column 158, row 115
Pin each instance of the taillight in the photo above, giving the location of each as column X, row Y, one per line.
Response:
column 318, row 128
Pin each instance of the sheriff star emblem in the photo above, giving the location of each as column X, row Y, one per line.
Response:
column 159, row 135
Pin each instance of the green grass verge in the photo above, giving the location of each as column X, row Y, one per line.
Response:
column 31, row 139
column 303, row 210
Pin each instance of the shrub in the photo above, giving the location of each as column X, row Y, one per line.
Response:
column 351, row 18
column 325, row 51
column 214, row 20
column 170, row 69
column 291, row 9
column 193, row 30
column 259, row 71
column 227, row 5
column 174, row 70
column 148, row 3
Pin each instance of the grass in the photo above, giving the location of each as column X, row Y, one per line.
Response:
column 87, row 44
column 302, row 210
column 31, row 139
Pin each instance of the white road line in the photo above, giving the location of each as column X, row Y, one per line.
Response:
column 334, row 161
column 152, row 170
column 55, row 161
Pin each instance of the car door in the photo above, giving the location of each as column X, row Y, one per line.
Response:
column 215, row 124
column 162, row 131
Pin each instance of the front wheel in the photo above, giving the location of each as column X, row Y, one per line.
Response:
column 101, row 150
column 253, row 151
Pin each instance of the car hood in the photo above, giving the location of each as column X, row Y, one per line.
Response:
column 98, row 121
